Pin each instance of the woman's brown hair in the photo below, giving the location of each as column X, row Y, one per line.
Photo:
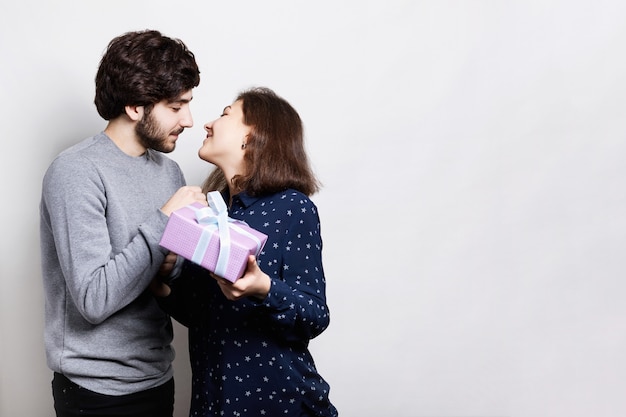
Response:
column 275, row 156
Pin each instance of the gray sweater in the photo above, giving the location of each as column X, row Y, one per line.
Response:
column 100, row 230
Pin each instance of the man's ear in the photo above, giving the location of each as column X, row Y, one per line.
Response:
column 135, row 113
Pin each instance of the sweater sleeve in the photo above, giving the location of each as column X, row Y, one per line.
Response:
column 76, row 210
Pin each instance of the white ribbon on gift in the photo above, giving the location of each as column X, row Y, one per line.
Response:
column 216, row 214
column 213, row 217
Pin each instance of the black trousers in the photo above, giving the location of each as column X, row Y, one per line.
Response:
column 71, row 400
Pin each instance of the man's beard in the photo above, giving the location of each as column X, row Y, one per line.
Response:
column 152, row 136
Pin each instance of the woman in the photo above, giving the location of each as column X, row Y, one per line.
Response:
column 248, row 339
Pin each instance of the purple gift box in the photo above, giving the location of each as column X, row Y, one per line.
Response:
column 206, row 236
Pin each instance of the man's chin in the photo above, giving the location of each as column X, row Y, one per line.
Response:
column 168, row 148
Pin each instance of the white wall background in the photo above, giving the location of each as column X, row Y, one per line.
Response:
column 474, row 209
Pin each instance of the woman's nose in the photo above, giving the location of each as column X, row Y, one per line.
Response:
column 208, row 126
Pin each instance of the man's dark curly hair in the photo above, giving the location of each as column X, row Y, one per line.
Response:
column 142, row 68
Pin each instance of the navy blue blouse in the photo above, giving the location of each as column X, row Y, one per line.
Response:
column 250, row 357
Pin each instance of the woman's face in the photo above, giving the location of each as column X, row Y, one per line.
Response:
column 225, row 135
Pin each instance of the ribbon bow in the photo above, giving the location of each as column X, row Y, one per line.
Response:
column 214, row 216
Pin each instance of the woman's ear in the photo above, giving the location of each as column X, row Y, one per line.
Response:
column 135, row 113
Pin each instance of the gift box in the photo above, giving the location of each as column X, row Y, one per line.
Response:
column 208, row 237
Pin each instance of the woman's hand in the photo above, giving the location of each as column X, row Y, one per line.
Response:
column 254, row 283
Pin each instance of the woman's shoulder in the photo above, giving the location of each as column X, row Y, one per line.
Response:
column 290, row 197
column 290, row 202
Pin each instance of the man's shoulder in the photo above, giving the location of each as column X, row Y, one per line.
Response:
column 75, row 159
column 90, row 145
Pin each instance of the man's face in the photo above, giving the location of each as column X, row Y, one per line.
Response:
column 161, row 124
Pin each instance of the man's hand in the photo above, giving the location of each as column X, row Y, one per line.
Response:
column 183, row 197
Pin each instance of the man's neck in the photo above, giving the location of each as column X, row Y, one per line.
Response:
column 122, row 132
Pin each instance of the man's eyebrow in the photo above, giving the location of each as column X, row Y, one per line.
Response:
column 226, row 108
column 180, row 100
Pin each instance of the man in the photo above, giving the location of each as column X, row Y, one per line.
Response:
column 105, row 202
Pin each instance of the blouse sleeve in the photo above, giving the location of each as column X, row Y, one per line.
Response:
column 296, row 303
column 188, row 301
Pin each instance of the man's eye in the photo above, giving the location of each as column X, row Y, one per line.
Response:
column 176, row 108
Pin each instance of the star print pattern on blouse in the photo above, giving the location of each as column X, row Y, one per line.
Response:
column 251, row 358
